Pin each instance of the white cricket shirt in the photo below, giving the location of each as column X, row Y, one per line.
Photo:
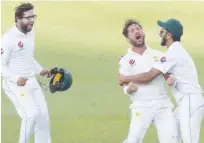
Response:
column 178, row 62
column 17, row 55
column 133, row 63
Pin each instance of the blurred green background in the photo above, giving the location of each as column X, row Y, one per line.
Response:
column 85, row 38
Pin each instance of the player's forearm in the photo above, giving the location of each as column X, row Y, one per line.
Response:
column 140, row 78
column 143, row 77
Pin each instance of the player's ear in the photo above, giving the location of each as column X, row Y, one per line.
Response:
column 169, row 35
column 18, row 18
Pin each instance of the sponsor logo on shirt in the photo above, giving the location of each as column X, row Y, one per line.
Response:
column 23, row 93
column 20, row 44
column 132, row 62
column 137, row 114
column 155, row 58
column 163, row 59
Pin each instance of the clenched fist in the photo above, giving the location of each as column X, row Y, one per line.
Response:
column 132, row 87
column 46, row 73
column 170, row 80
column 21, row 81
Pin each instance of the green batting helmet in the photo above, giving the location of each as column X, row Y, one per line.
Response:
column 61, row 80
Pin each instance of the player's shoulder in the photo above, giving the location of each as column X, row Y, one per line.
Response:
column 124, row 58
column 157, row 52
column 6, row 38
column 8, row 34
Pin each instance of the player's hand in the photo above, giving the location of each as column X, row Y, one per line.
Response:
column 46, row 73
column 170, row 80
column 132, row 87
column 166, row 76
column 21, row 81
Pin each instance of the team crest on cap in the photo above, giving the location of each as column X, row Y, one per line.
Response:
column 163, row 59
column 155, row 58
column 20, row 44
column 131, row 61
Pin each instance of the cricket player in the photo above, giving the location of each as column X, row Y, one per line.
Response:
column 19, row 68
column 186, row 88
column 150, row 102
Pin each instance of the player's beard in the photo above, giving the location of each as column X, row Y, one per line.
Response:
column 138, row 44
column 26, row 27
column 163, row 41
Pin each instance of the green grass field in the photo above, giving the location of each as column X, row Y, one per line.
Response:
column 85, row 37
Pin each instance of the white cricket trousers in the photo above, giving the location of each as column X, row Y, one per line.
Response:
column 189, row 114
column 163, row 119
column 30, row 104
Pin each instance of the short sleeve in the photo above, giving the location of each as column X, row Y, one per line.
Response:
column 165, row 62
column 123, row 66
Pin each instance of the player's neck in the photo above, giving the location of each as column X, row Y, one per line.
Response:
column 20, row 29
column 169, row 43
column 139, row 50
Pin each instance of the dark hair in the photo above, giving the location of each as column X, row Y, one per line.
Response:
column 127, row 24
column 176, row 38
column 23, row 7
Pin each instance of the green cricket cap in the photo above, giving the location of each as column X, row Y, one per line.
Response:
column 173, row 26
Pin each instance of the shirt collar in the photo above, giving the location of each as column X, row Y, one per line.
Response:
column 132, row 52
column 18, row 31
